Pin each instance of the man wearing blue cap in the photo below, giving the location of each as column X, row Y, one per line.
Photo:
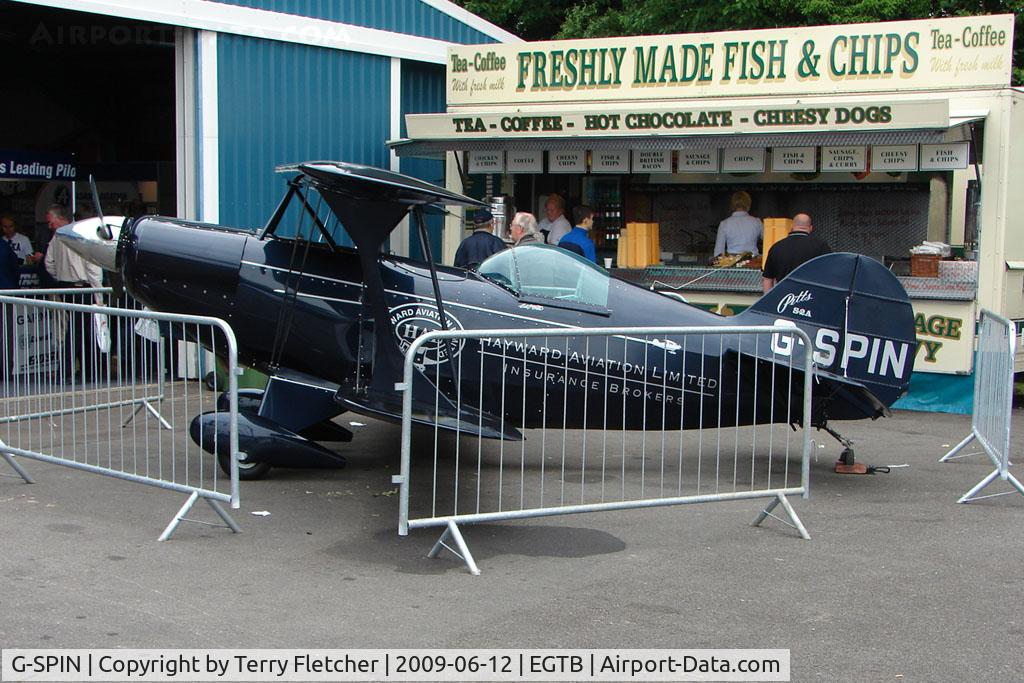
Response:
column 479, row 245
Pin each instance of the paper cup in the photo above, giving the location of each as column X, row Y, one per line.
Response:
column 607, row 263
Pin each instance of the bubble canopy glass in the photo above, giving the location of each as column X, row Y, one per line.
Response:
column 548, row 272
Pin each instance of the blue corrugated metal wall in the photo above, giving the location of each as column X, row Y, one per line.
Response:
column 423, row 91
column 402, row 16
column 283, row 102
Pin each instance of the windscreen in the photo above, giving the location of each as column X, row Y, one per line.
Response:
column 548, row 272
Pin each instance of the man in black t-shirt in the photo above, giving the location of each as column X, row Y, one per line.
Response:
column 793, row 251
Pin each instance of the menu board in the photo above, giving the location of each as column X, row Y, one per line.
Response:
column 486, row 161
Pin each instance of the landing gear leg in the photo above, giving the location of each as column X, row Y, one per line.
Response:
column 846, row 463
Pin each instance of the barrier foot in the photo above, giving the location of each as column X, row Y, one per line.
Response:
column 957, row 448
column 180, row 517
column 972, row 495
column 148, row 407
column 223, row 514
column 794, row 521
column 18, row 468
column 452, row 531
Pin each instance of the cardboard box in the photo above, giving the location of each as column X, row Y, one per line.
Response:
column 924, row 265
column 775, row 229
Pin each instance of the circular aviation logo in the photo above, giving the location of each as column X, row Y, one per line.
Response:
column 410, row 321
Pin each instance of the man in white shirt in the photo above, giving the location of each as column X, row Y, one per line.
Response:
column 740, row 231
column 65, row 266
column 554, row 225
column 20, row 245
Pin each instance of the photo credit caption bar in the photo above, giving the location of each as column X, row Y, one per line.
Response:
column 395, row 665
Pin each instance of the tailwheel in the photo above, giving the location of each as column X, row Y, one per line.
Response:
column 846, row 463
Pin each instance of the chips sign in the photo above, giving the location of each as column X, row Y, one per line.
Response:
column 794, row 159
column 743, row 160
column 850, row 158
column 894, row 158
column 602, row 161
column 487, row 161
column 567, row 161
column 947, row 156
column 928, row 54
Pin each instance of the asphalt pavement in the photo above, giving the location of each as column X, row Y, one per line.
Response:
column 899, row 583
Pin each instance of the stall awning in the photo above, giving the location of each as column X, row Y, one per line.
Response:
column 921, row 122
column 429, row 148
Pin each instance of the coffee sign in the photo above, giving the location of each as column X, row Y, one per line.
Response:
column 525, row 162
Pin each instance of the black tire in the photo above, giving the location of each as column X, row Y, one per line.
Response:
column 247, row 471
column 210, row 380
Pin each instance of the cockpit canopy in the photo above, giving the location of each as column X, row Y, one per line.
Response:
column 548, row 272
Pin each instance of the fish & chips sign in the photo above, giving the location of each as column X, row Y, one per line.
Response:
column 931, row 54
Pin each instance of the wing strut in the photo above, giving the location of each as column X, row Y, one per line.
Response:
column 421, row 226
column 293, row 191
column 292, row 282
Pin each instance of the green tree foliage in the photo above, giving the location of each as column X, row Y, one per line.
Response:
column 546, row 19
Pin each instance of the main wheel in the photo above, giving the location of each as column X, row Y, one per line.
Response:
column 247, row 471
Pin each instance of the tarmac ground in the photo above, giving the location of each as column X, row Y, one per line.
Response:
column 898, row 582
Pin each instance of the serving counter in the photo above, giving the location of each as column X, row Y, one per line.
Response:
column 957, row 281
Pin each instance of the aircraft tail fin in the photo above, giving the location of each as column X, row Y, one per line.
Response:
column 861, row 325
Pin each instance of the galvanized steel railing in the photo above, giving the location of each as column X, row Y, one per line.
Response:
column 470, row 479
column 74, row 379
column 993, row 402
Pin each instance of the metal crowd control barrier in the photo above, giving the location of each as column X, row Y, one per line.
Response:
column 89, row 296
column 993, row 402
column 601, row 466
column 72, row 377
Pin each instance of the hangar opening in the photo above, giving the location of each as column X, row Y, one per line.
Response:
column 84, row 94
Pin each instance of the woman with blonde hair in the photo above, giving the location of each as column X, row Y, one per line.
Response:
column 739, row 232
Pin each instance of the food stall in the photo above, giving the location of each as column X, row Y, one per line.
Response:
column 889, row 135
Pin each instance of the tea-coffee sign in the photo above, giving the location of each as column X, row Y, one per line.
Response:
column 927, row 54
column 619, row 121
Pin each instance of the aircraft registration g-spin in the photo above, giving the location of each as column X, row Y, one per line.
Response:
column 330, row 325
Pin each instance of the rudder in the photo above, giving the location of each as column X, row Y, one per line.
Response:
column 859, row 319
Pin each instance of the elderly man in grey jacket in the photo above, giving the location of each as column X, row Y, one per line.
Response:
column 524, row 229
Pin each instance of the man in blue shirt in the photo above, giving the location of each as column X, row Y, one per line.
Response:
column 583, row 217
